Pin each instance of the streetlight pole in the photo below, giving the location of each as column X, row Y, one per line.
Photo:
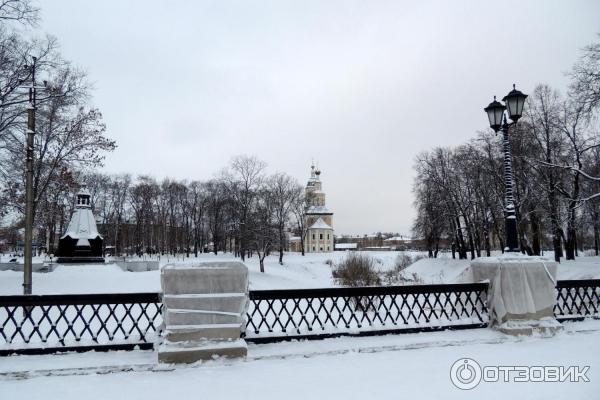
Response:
column 28, row 253
column 497, row 115
column 510, row 215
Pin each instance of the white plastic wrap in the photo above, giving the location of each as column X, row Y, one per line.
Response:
column 521, row 287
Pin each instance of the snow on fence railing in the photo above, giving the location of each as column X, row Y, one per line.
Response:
column 317, row 313
column 49, row 323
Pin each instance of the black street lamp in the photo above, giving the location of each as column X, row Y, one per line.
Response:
column 515, row 101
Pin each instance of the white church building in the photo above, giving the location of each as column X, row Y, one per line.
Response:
column 319, row 219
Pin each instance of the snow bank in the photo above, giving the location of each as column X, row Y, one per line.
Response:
column 447, row 270
column 310, row 271
column 92, row 278
column 437, row 270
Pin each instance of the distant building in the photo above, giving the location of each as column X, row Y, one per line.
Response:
column 363, row 242
column 346, row 246
column 295, row 243
column 380, row 242
column 319, row 220
column 35, row 246
column 399, row 242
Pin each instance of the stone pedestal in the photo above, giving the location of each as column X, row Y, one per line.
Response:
column 522, row 295
column 204, row 310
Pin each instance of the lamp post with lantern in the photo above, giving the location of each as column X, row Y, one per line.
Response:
column 498, row 115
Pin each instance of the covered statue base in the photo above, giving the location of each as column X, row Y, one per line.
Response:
column 204, row 311
column 522, row 294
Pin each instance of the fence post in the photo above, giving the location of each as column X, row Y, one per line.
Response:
column 204, row 311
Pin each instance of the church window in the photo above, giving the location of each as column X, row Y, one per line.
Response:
column 321, row 236
column 320, row 248
column 313, row 248
column 327, row 248
column 313, row 236
column 328, row 236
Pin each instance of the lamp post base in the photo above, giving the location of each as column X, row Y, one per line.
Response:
column 512, row 239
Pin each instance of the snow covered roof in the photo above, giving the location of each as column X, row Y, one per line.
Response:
column 320, row 224
column 397, row 239
column 346, row 245
column 82, row 226
column 83, row 191
column 318, row 210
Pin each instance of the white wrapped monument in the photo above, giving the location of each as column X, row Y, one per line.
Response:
column 81, row 243
column 521, row 296
column 204, row 310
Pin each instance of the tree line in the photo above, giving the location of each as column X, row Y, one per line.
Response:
column 459, row 192
column 242, row 210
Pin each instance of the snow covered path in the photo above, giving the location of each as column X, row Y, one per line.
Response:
column 387, row 367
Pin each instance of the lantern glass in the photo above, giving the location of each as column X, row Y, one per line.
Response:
column 495, row 110
column 515, row 100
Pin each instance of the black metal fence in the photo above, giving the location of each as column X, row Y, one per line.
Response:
column 577, row 299
column 80, row 322
column 49, row 323
column 319, row 313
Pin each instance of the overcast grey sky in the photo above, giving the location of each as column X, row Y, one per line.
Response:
column 361, row 86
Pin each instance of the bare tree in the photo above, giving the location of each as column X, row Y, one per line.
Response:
column 430, row 223
column 119, row 190
column 198, row 206
column 299, row 206
column 243, row 179
column 22, row 11
column 585, row 76
column 68, row 137
column 16, row 55
column 573, row 123
column 141, row 200
column 217, row 201
column 283, row 189
column 263, row 229
column 542, row 112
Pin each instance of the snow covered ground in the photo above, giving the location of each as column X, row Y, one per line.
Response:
column 447, row 270
column 384, row 367
column 310, row 271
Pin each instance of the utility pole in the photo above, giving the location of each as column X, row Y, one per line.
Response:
column 27, row 270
